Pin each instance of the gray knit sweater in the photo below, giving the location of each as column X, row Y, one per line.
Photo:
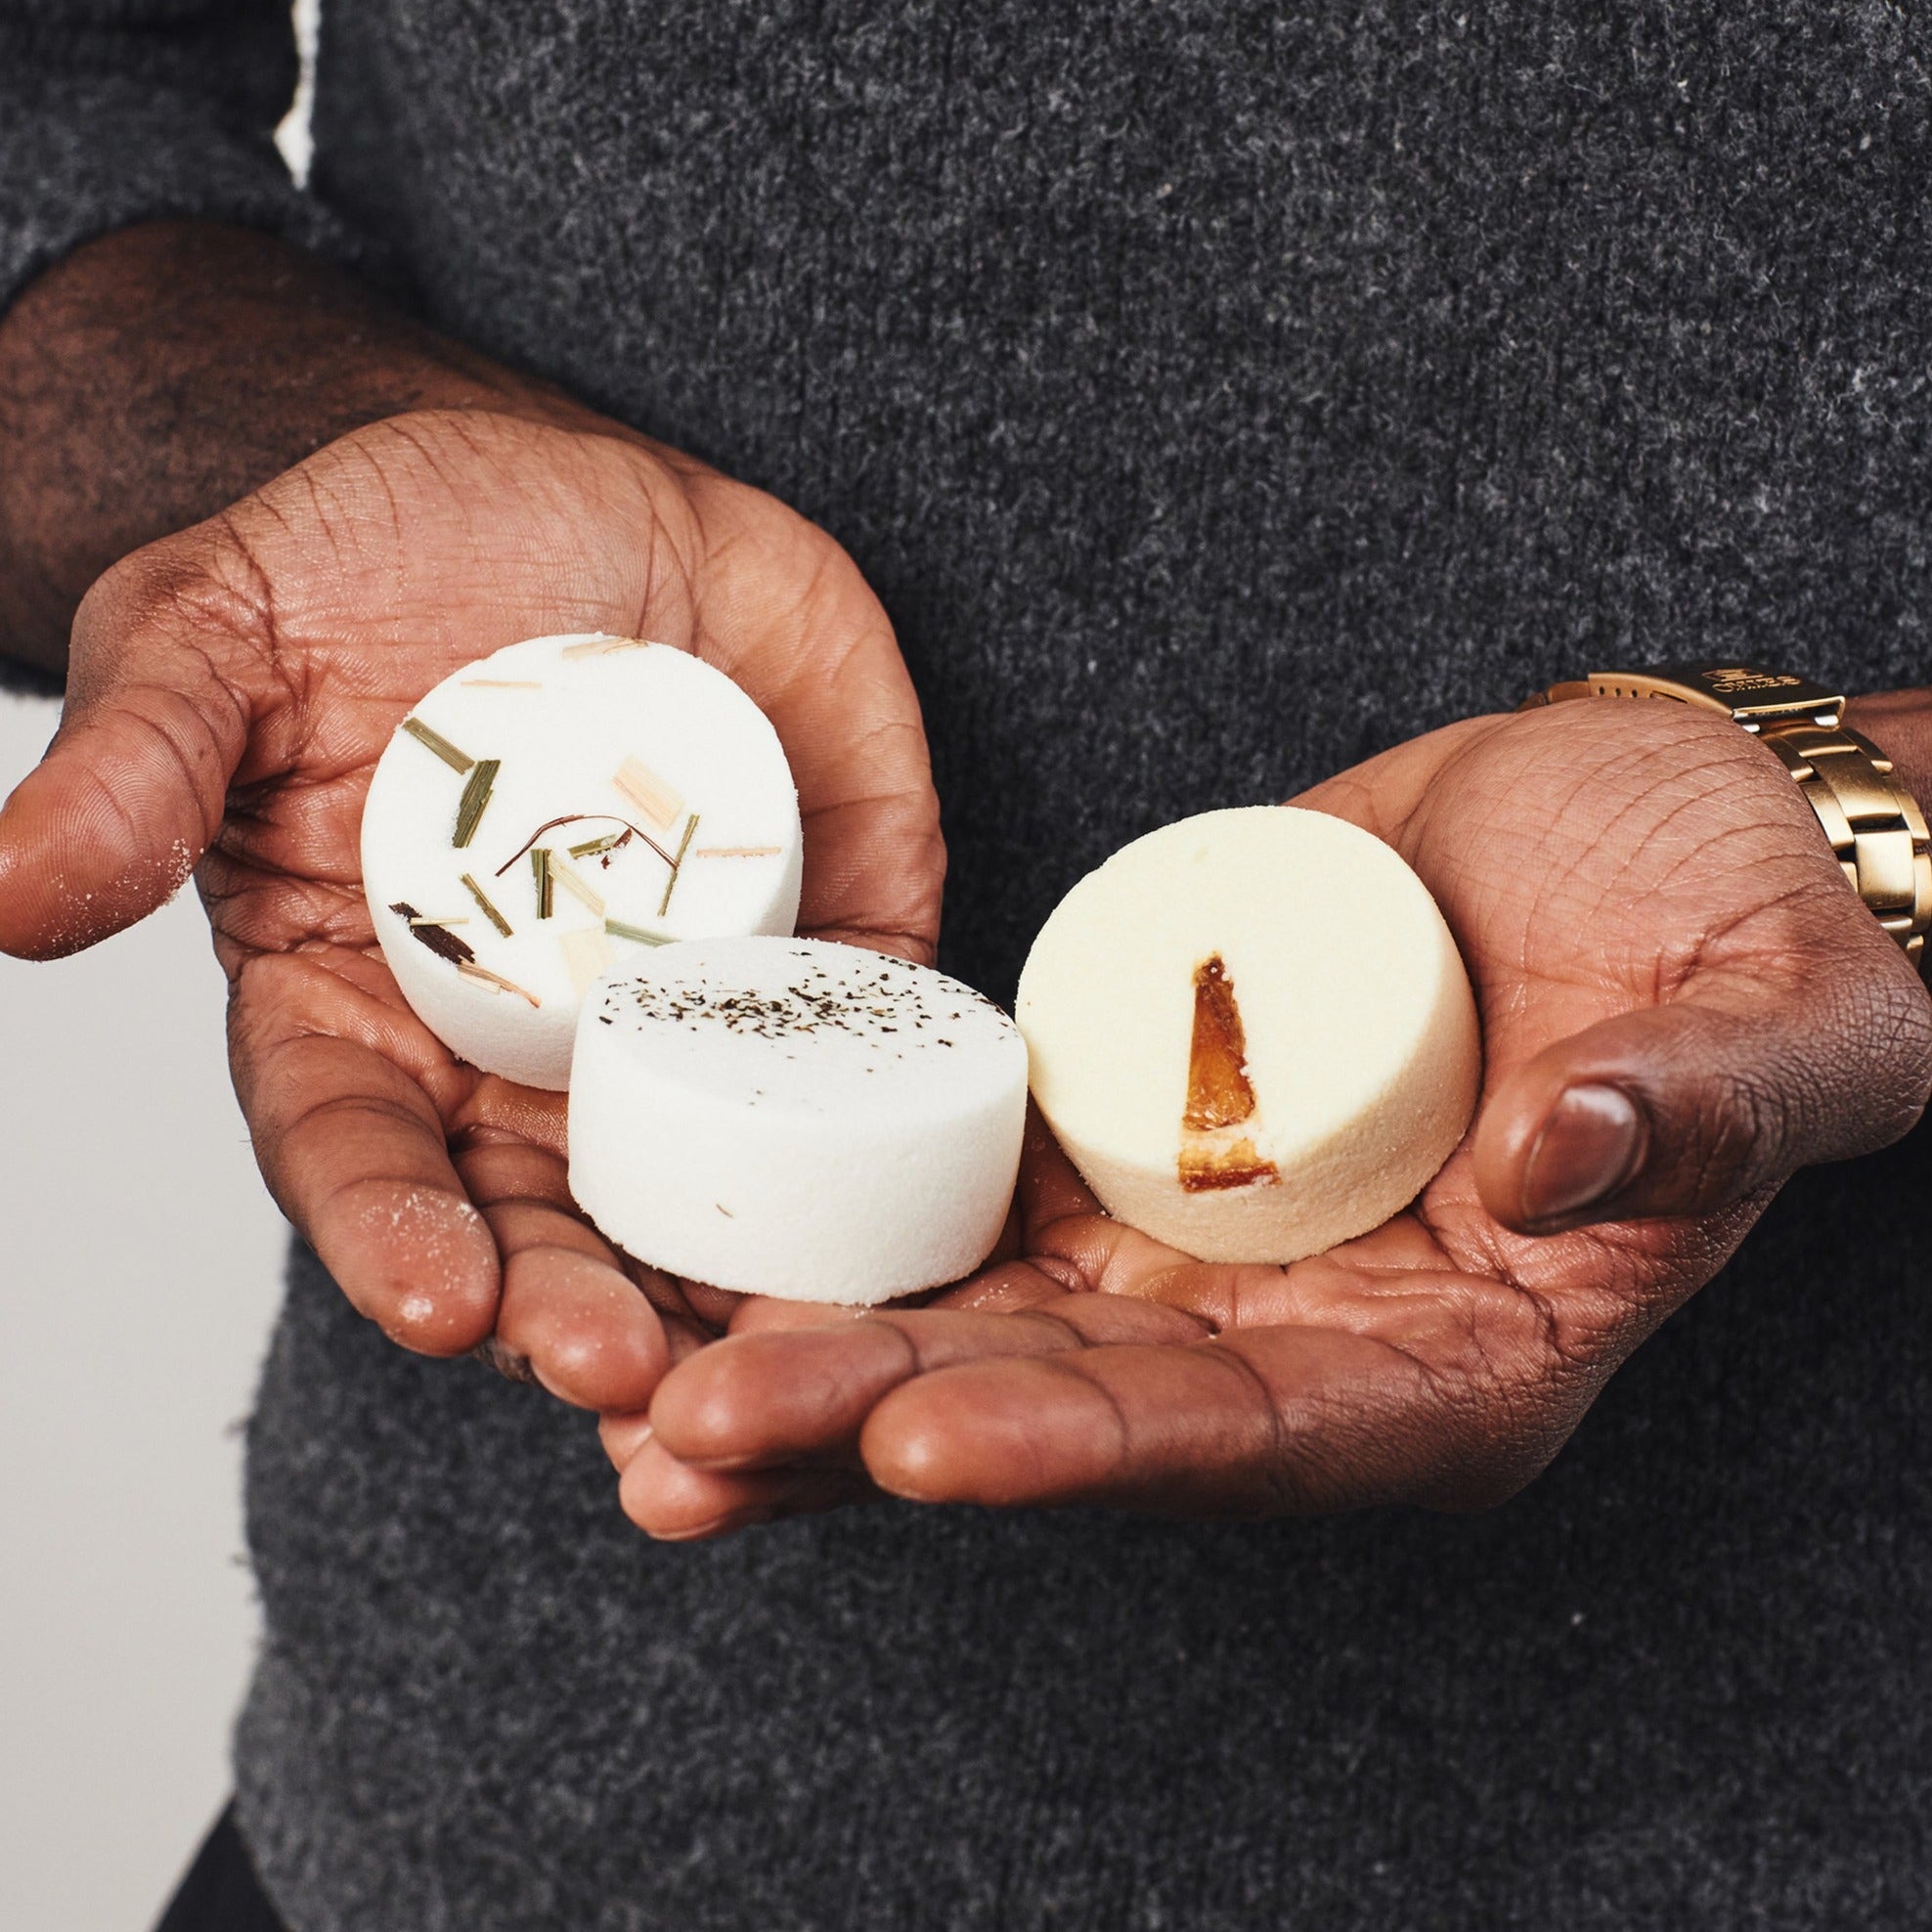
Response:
column 1215, row 390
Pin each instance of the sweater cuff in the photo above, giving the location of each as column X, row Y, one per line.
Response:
column 82, row 155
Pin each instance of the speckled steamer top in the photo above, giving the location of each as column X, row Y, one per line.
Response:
column 791, row 1021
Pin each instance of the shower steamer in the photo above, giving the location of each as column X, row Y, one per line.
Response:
column 1253, row 1034
column 797, row 1118
column 556, row 811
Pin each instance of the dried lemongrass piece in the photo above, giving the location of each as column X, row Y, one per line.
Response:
column 618, row 930
column 659, row 802
column 502, row 685
column 568, row 878
column 490, row 912
column 447, row 919
column 475, row 797
column 469, row 969
column 676, row 865
column 456, row 760
column 587, row 955
column 737, row 851
column 596, row 848
column 540, row 865
column 603, row 647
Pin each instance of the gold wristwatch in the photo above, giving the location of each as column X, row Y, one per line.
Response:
column 1876, row 829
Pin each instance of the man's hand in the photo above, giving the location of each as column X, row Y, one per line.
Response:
column 230, row 690
column 1683, row 1003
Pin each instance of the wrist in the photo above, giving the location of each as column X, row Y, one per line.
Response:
column 1866, row 800
column 160, row 373
column 1899, row 724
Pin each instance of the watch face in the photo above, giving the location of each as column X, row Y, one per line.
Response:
column 1752, row 689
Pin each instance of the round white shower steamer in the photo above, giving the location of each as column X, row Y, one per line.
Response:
column 560, row 809
column 1253, row 1034
column 797, row 1118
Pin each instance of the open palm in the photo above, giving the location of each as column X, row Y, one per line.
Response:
column 1680, row 998
column 231, row 691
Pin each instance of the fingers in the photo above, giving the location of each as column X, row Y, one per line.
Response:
column 353, row 1147
column 572, row 1317
column 1273, row 1422
column 1100, row 1400
column 766, row 1398
column 586, row 1330
column 354, row 1154
column 1180, row 1428
column 353, row 1107
column 1689, row 1107
column 676, row 1504
column 623, row 1433
column 112, row 821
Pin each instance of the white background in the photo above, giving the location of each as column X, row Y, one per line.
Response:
column 138, row 1275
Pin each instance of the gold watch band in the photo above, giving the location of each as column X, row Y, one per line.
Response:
column 1876, row 830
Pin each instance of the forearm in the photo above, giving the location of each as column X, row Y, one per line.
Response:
column 160, row 373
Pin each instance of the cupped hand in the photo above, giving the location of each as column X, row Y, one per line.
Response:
column 1683, row 1003
column 230, row 691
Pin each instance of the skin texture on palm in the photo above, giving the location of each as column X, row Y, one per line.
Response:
column 1652, row 921
column 230, row 691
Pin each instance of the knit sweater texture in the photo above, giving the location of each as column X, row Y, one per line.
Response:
column 1215, row 392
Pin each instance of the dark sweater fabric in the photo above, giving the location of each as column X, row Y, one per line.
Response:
column 1215, row 392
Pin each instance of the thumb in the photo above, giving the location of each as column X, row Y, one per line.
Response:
column 1689, row 1108
column 112, row 822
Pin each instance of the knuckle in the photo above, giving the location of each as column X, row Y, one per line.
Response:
column 269, row 991
column 1735, row 1136
column 1887, row 1047
column 202, row 587
column 274, row 998
column 420, row 458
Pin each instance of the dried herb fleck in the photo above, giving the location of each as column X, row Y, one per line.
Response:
column 576, row 887
column 440, row 941
column 604, row 646
column 540, row 865
column 471, row 971
column 586, row 955
column 455, row 760
column 596, row 848
column 490, row 912
column 676, row 865
column 618, row 930
column 475, row 796
column 658, row 800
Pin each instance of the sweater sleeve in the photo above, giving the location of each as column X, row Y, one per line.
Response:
column 117, row 111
